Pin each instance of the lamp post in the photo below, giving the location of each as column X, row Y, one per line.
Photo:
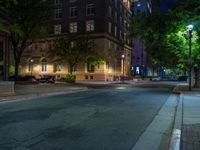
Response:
column 189, row 30
column 31, row 65
column 123, row 57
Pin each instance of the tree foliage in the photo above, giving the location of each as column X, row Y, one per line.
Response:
column 165, row 35
column 25, row 21
column 73, row 49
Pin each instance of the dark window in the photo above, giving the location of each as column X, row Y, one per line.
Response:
column 57, row 2
column 73, row 12
column 72, row 1
column 58, row 13
column 90, row 9
column 90, row 67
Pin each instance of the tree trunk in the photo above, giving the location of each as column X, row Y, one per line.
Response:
column 17, row 57
column 17, row 62
column 70, row 68
column 197, row 77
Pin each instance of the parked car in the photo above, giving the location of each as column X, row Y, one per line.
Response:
column 156, row 79
column 48, row 79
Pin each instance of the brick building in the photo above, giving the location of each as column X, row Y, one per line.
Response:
column 106, row 21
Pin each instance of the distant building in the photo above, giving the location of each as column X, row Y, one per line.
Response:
column 142, row 6
column 4, row 56
column 106, row 21
column 141, row 64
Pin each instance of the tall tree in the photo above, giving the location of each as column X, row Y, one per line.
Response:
column 72, row 50
column 151, row 28
column 26, row 21
column 181, row 15
column 164, row 34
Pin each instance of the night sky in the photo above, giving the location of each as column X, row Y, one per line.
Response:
column 163, row 6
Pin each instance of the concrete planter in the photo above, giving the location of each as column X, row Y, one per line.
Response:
column 6, row 88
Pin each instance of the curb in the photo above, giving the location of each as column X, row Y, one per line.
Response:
column 31, row 96
column 158, row 129
column 175, row 141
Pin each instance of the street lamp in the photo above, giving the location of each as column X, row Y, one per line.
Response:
column 189, row 30
column 123, row 57
column 31, row 65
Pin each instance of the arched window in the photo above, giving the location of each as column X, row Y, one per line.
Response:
column 44, row 65
column 90, row 67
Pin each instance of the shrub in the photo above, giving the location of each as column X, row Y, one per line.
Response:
column 70, row 77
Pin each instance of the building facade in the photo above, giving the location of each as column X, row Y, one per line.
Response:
column 141, row 64
column 106, row 21
column 144, row 6
column 4, row 56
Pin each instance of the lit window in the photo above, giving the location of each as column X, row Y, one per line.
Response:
column 58, row 67
column 73, row 27
column 72, row 44
column 57, row 29
column 44, row 65
column 90, row 25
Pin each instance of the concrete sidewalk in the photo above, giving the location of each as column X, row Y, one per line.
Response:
column 187, row 120
column 190, row 139
column 177, row 125
column 27, row 91
column 157, row 135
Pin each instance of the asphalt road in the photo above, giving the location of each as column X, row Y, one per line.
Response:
column 99, row 119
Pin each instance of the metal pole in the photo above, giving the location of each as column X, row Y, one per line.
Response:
column 123, row 69
column 190, row 59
